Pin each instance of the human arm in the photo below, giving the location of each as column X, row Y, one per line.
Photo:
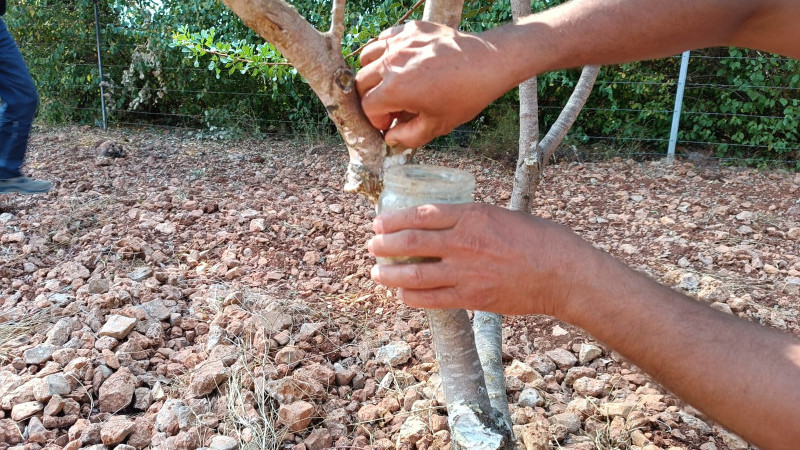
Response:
column 432, row 78
column 507, row 262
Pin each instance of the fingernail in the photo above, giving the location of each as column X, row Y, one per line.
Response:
column 369, row 246
column 377, row 225
column 374, row 273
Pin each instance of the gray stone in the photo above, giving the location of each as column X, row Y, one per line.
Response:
column 563, row 358
column 700, row 426
column 55, row 384
column 570, row 421
column 588, row 352
column 689, row 282
column 275, row 321
column 173, row 417
column 142, row 398
column 394, row 353
column 140, row 273
column 223, row 443
column 156, row 309
column 98, row 286
column 542, row 364
column 792, row 286
column 61, row 299
column 39, row 354
column 59, row 333
column 117, row 326
column 530, row 397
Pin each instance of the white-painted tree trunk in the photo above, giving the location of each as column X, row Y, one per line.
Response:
column 475, row 420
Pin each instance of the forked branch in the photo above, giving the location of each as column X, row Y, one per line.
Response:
column 318, row 58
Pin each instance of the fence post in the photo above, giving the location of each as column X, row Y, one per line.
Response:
column 676, row 113
column 100, row 65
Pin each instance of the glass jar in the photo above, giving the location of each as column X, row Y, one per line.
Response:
column 420, row 184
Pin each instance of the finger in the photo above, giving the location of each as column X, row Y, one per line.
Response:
column 372, row 52
column 407, row 243
column 412, row 133
column 394, row 31
column 423, row 217
column 432, row 275
column 369, row 77
column 441, row 298
column 373, row 103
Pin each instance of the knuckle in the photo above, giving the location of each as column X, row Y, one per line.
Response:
column 416, row 275
column 422, row 215
column 410, row 240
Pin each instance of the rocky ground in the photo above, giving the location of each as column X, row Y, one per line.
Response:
column 173, row 293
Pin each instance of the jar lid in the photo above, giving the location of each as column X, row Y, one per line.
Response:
column 427, row 177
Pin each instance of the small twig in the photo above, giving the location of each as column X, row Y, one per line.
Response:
column 399, row 21
column 250, row 61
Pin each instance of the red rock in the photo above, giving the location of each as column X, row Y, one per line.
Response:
column 116, row 393
column 296, row 416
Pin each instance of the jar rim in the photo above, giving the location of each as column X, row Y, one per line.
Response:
column 428, row 176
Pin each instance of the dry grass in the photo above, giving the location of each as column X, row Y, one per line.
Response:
column 261, row 431
column 12, row 331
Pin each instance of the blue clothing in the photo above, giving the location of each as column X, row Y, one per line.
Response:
column 19, row 101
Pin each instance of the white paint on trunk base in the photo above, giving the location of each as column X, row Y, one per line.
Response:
column 467, row 430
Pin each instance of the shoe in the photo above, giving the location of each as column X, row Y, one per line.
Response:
column 24, row 185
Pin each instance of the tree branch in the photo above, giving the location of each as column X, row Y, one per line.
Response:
column 570, row 112
column 337, row 20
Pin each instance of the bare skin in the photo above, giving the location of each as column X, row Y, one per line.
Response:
column 421, row 80
column 501, row 261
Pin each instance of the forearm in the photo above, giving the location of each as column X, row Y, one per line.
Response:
column 683, row 344
column 585, row 32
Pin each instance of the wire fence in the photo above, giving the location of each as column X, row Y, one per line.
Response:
column 631, row 108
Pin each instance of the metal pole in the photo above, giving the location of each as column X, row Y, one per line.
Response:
column 676, row 114
column 100, row 65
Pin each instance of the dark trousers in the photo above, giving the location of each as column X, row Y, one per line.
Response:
column 19, row 101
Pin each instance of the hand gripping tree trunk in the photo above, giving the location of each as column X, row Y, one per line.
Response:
column 317, row 56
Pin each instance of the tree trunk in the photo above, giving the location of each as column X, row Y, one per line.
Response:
column 488, row 326
column 318, row 58
column 474, row 423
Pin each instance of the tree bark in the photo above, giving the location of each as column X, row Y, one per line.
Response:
column 474, row 423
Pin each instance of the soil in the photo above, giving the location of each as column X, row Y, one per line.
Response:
column 243, row 264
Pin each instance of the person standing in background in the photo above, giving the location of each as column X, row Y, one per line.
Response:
column 18, row 102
